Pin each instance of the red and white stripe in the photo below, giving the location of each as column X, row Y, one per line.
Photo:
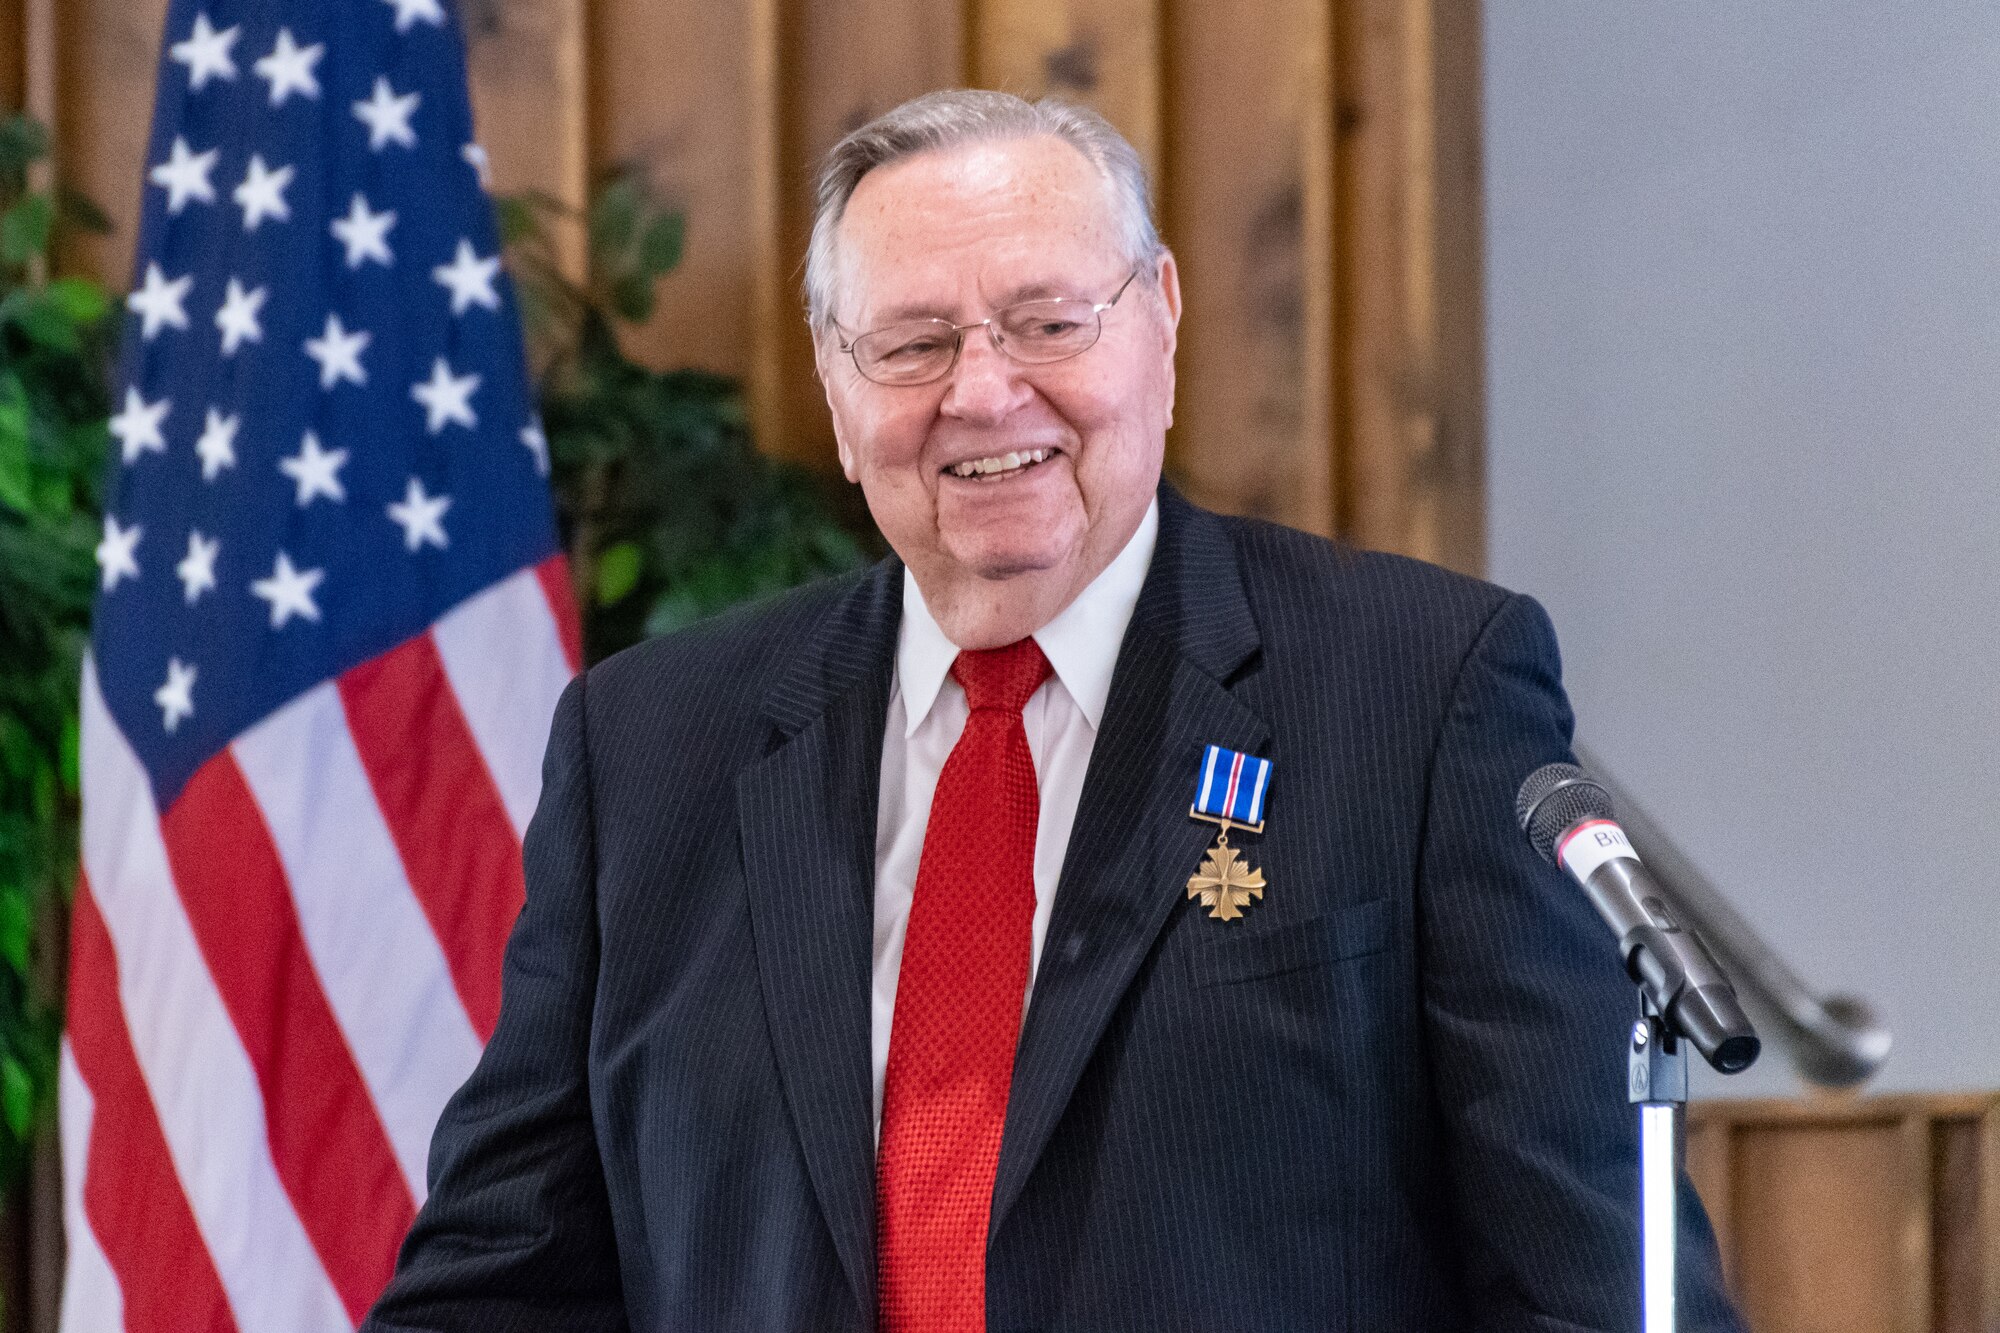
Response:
column 1235, row 780
column 278, row 981
column 87, row 1272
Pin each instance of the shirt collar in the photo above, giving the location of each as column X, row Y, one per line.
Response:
column 1081, row 643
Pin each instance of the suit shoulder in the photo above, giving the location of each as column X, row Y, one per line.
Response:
column 1337, row 622
column 1283, row 567
column 727, row 662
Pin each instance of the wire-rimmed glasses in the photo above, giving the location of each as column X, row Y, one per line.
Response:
column 1031, row 332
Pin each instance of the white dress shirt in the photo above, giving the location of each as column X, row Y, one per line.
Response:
column 927, row 711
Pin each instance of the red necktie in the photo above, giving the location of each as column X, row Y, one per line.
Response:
column 958, row 1007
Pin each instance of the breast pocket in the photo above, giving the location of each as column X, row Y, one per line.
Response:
column 1344, row 932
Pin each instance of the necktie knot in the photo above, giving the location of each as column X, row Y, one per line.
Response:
column 1001, row 678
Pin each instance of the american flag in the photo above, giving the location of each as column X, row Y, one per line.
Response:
column 331, row 628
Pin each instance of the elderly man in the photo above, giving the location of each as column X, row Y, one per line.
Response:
column 1102, row 915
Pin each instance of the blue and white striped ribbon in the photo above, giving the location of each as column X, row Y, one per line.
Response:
column 1231, row 786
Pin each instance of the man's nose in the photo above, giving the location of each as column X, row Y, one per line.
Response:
column 986, row 384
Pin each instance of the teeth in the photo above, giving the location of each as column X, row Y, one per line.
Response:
column 979, row 467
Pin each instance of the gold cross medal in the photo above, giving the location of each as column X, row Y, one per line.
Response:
column 1229, row 792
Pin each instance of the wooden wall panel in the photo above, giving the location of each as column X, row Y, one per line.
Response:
column 28, row 67
column 1855, row 1267
column 13, row 55
column 1875, row 1215
column 1105, row 53
column 1248, row 210
column 1965, row 1201
column 1711, row 1165
column 1411, row 476
column 106, row 52
column 36, row 26
column 525, row 59
column 1453, row 482
column 675, row 92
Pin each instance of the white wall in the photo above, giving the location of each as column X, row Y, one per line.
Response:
column 1744, row 346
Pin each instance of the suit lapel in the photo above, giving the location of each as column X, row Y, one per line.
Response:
column 808, row 815
column 1133, row 846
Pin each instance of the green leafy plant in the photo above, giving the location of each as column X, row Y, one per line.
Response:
column 53, row 409
column 668, row 512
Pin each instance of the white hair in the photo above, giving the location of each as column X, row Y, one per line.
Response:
column 958, row 116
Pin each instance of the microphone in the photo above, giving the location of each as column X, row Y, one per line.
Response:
column 1568, row 819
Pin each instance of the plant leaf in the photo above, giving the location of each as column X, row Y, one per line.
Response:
column 660, row 249
column 618, row 572
column 516, row 219
column 77, row 209
column 614, row 224
column 17, row 1096
column 15, row 928
column 17, row 491
column 80, row 300
column 17, row 748
column 22, row 141
column 24, row 228
column 69, row 750
column 43, row 321
column 16, row 474
column 632, row 297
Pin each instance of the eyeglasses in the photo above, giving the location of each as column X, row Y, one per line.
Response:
column 1031, row 332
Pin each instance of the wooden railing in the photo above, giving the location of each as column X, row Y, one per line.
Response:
column 1846, row 1215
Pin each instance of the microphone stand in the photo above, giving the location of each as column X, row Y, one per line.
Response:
column 1684, row 995
column 1657, row 1076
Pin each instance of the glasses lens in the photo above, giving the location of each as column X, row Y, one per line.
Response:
column 1047, row 330
column 906, row 353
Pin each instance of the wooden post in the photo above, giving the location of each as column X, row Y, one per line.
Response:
column 1407, row 343
column 1248, row 207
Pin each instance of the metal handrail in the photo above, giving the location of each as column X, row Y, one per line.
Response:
column 1836, row 1041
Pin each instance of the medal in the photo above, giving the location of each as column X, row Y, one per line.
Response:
column 1229, row 792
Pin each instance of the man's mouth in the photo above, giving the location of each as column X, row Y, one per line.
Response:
column 1000, row 465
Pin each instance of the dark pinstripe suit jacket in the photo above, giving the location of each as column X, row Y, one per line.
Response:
column 1391, row 1098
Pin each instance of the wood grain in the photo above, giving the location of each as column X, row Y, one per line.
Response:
column 1846, row 1270
column 674, row 95
column 37, row 68
column 13, row 55
column 1105, row 53
column 105, row 55
column 1409, row 452
column 1986, row 1253
column 525, row 60
column 1248, row 210
column 1455, row 485
column 1855, row 1215
column 1956, row 1198
column 1711, row 1166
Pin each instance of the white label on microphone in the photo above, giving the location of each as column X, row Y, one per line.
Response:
column 1590, row 844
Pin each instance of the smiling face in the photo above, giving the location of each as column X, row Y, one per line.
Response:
column 956, row 235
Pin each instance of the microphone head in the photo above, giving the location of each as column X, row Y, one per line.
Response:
column 1555, row 799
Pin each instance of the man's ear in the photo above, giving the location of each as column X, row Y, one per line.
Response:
column 847, row 466
column 1169, row 281
column 1169, row 278
column 820, row 357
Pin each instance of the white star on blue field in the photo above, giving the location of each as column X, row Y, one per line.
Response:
column 324, row 437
